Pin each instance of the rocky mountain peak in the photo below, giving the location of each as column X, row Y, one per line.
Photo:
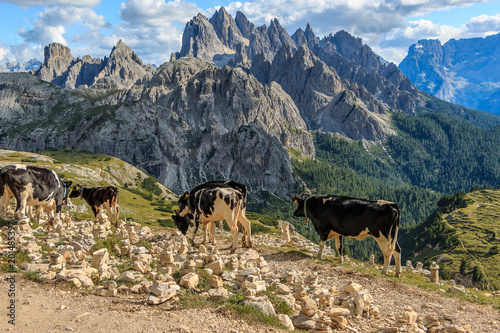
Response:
column 120, row 70
column 57, row 59
column 123, row 53
column 246, row 27
column 305, row 37
column 227, row 29
column 56, row 52
column 200, row 40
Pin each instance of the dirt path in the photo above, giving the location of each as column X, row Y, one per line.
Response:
column 56, row 307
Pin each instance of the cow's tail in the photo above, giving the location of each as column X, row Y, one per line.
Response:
column 393, row 231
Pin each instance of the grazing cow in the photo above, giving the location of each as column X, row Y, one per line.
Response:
column 32, row 186
column 337, row 217
column 215, row 201
column 183, row 223
column 97, row 197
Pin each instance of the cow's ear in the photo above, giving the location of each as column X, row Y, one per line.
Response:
column 295, row 200
column 69, row 183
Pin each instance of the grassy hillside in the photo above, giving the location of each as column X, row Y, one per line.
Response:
column 90, row 170
column 463, row 236
column 142, row 199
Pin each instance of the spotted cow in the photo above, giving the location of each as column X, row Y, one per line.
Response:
column 184, row 222
column 215, row 201
column 338, row 216
column 99, row 196
column 32, row 186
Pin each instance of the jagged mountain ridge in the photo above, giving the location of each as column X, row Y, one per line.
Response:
column 464, row 71
column 189, row 122
column 211, row 40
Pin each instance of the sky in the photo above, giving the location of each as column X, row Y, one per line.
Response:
column 153, row 28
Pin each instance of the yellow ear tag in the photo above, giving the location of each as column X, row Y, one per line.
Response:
column 295, row 201
column 186, row 195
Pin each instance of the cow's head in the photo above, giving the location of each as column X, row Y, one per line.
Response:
column 67, row 190
column 184, row 204
column 299, row 212
column 76, row 192
column 182, row 222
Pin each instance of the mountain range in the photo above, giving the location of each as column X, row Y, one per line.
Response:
column 237, row 102
column 464, row 71
column 16, row 66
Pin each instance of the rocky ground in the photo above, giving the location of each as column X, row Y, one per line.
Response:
column 132, row 287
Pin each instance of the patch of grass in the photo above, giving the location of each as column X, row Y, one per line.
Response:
column 33, row 276
column 107, row 243
column 191, row 300
column 127, row 266
column 233, row 306
column 166, row 223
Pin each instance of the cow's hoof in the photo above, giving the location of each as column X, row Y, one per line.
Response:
column 232, row 251
column 398, row 275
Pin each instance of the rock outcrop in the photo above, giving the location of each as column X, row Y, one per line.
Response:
column 121, row 70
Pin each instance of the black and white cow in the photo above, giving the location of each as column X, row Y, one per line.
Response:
column 183, row 223
column 32, row 186
column 215, row 201
column 99, row 196
column 337, row 217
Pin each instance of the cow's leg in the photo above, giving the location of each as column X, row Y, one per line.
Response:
column 247, row 227
column 95, row 210
column 338, row 245
column 212, row 232
column 321, row 247
column 196, row 226
column 234, row 231
column 383, row 243
column 397, row 258
column 21, row 204
column 244, row 242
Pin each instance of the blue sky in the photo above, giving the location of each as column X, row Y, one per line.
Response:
column 153, row 28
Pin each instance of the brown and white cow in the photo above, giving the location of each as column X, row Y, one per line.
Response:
column 215, row 201
column 99, row 196
column 32, row 186
column 337, row 217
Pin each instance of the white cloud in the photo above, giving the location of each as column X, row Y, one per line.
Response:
column 157, row 12
column 5, row 53
column 53, row 23
column 483, row 24
column 78, row 3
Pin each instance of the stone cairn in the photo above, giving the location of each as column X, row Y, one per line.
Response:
column 149, row 270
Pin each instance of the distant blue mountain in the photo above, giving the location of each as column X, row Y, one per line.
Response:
column 465, row 71
column 15, row 66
